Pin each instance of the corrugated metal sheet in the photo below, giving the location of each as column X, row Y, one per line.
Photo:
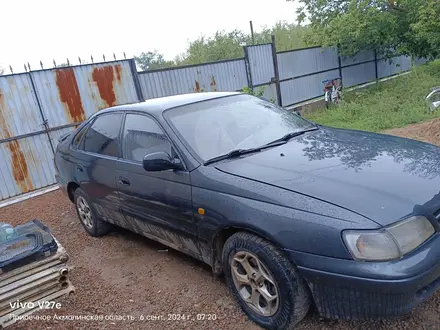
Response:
column 305, row 88
column 261, row 63
column 55, row 135
column 398, row 65
column 67, row 95
column 70, row 95
column 25, row 165
column 359, row 58
column 222, row 77
column 18, row 107
column 420, row 61
column 358, row 74
column 305, row 61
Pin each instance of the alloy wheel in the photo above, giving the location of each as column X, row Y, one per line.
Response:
column 85, row 213
column 254, row 283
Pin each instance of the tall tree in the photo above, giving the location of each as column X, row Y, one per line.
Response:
column 409, row 27
column 227, row 45
column 152, row 60
column 287, row 35
column 223, row 45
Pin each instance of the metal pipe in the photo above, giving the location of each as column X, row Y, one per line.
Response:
column 26, row 295
column 64, row 271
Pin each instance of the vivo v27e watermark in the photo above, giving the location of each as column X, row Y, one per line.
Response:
column 32, row 305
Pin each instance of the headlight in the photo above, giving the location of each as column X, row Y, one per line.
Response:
column 388, row 243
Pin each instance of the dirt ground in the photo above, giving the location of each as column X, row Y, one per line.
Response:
column 428, row 131
column 126, row 275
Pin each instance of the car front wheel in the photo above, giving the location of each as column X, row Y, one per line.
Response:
column 266, row 285
column 87, row 215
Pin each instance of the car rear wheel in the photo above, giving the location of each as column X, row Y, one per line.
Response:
column 266, row 285
column 87, row 215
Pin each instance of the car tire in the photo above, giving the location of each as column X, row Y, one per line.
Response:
column 281, row 279
column 89, row 219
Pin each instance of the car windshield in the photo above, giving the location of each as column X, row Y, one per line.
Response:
column 216, row 127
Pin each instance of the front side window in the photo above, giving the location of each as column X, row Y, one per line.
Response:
column 102, row 136
column 143, row 136
column 216, row 127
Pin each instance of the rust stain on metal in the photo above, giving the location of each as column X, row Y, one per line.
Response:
column 19, row 167
column 4, row 133
column 20, row 170
column 118, row 72
column 104, row 77
column 213, row 84
column 69, row 94
column 197, row 89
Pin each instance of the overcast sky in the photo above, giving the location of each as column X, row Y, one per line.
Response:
column 35, row 30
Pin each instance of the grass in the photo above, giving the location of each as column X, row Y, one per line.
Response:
column 389, row 104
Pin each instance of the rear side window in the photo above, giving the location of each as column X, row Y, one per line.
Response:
column 102, row 136
column 143, row 136
column 78, row 136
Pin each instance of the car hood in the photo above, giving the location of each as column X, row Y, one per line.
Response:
column 378, row 176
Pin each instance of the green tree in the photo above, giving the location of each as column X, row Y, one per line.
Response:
column 152, row 60
column 409, row 27
column 223, row 45
column 227, row 45
column 287, row 35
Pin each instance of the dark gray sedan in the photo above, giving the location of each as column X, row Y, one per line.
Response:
column 293, row 213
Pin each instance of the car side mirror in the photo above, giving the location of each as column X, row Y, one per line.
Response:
column 160, row 161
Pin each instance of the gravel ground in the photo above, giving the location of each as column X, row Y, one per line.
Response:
column 126, row 275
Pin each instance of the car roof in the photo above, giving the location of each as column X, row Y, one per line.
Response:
column 160, row 104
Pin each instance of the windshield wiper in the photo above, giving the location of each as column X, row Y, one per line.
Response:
column 232, row 154
column 239, row 152
column 290, row 135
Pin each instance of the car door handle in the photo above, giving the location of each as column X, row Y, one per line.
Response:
column 124, row 181
column 79, row 168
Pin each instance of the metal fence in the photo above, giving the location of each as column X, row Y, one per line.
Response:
column 288, row 77
column 303, row 71
column 229, row 75
column 37, row 107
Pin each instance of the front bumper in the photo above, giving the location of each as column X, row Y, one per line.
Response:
column 347, row 289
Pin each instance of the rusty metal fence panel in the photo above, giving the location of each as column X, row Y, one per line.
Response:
column 38, row 107
column 22, row 162
column 18, row 104
column 70, row 95
column 25, row 165
column 220, row 76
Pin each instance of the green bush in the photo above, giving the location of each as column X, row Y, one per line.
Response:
column 259, row 92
